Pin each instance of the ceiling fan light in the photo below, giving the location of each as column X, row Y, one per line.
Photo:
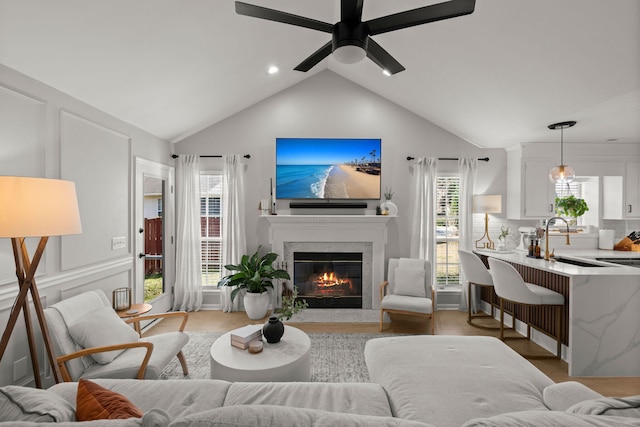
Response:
column 562, row 174
column 349, row 54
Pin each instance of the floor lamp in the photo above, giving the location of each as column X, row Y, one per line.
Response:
column 486, row 204
column 34, row 207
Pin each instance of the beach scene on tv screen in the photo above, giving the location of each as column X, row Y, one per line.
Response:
column 327, row 168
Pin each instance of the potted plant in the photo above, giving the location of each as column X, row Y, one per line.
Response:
column 290, row 304
column 253, row 277
column 388, row 207
column 504, row 233
column 571, row 207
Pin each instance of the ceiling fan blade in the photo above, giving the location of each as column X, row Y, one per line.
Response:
column 377, row 54
column 315, row 57
column 421, row 15
column 284, row 17
column 351, row 10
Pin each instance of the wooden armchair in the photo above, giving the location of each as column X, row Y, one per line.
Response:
column 408, row 290
column 91, row 341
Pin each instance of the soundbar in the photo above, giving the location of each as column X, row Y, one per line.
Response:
column 303, row 205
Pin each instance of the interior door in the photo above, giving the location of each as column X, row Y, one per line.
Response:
column 155, row 274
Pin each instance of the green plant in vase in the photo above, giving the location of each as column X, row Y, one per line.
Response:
column 254, row 276
column 289, row 304
column 504, row 233
column 571, row 207
column 388, row 207
column 388, row 193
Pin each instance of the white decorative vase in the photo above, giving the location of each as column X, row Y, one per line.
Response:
column 388, row 208
column 256, row 305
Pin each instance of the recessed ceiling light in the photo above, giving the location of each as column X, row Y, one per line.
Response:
column 273, row 69
column 386, row 72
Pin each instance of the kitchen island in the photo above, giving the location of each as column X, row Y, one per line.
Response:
column 602, row 307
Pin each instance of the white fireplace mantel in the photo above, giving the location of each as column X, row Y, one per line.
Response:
column 328, row 229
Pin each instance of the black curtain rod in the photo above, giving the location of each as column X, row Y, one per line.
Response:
column 483, row 159
column 246, row 156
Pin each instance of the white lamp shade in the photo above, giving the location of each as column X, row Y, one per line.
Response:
column 349, row 54
column 487, row 203
column 37, row 207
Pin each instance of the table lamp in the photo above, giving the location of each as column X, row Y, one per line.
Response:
column 486, row 204
column 34, row 207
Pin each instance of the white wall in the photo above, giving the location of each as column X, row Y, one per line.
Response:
column 326, row 105
column 45, row 133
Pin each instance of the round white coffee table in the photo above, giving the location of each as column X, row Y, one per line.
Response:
column 288, row 360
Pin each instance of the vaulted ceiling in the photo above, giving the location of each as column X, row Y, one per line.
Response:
column 495, row 78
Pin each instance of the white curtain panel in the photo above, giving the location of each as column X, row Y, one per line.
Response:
column 234, row 241
column 423, row 232
column 468, row 168
column 188, row 288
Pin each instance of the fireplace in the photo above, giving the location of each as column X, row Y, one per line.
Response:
column 329, row 279
column 365, row 234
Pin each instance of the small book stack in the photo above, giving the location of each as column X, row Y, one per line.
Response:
column 241, row 337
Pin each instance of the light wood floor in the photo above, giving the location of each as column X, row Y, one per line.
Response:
column 447, row 323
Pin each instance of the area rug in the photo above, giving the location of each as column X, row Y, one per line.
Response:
column 337, row 358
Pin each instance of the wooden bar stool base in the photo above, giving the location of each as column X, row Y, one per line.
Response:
column 557, row 337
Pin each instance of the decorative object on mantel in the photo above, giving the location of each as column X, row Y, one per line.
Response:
column 388, row 207
column 272, row 197
column 486, row 204
column 273, row 330
column 264, row 207
column 562, row 173
column 253, row 278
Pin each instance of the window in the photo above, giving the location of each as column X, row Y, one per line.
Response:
column 447, row 221
column 211, row 228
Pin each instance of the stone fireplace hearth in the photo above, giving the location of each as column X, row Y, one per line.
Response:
column 366, row 234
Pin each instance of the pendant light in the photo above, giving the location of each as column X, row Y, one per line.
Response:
column 562, row 173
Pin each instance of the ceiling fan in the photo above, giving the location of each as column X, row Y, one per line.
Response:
column 351, row 38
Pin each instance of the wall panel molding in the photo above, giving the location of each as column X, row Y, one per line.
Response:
column 98, row 160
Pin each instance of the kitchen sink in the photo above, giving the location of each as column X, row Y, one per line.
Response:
column 579, row 263
column 630, row 262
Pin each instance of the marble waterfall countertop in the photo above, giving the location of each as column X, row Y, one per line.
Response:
column 604, row 310
column 589, row 256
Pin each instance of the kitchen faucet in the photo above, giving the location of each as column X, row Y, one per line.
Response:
column 546, row 236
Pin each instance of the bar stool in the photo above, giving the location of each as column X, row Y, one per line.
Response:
column 476, row 274
column 510, row 286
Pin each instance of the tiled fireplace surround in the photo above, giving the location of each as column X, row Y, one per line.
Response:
column 334, row 233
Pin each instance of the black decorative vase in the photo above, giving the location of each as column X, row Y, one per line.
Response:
column 273, row 330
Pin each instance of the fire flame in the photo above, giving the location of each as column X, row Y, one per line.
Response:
column 329, row 279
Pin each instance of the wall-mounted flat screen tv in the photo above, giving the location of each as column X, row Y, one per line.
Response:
column 328, row 168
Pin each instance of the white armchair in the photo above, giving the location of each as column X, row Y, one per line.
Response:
column 408, row 290
column 91, row 341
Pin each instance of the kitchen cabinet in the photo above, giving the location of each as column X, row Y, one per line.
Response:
column 530, row 194
column 621, row 195
column 632, row 190
column 539, row 192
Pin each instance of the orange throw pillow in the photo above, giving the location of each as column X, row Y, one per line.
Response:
column 94, row 402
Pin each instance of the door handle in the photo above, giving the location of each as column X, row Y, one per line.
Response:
column 141, row 256
column 629, row 209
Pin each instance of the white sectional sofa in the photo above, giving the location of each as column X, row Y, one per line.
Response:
column 415, row 381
